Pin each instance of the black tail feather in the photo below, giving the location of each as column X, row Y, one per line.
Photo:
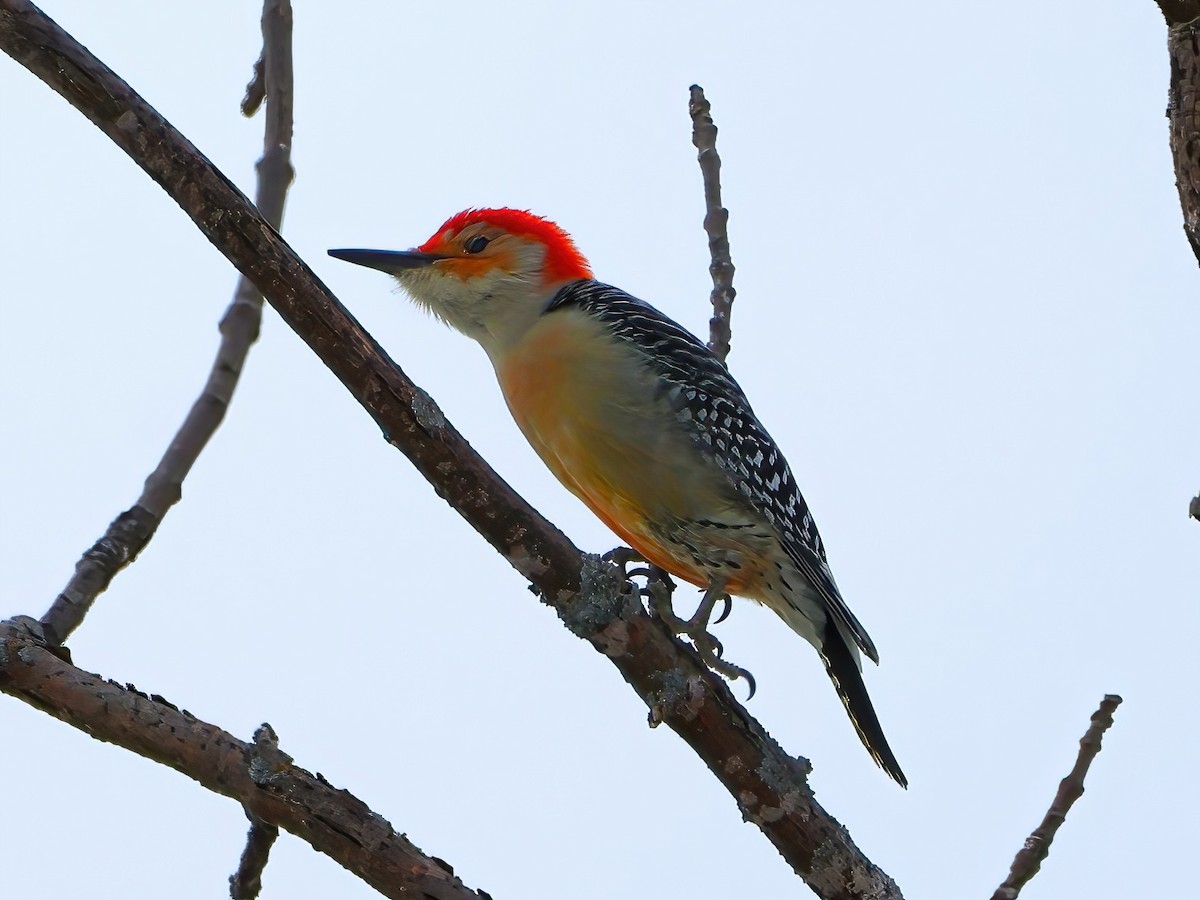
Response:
column 848, row 682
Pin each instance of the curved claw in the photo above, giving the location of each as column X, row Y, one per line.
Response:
column 726, row 611
column 622, row 557
column 709, row 649
column 658, row 573
column 718, row 647
column 733, row 673
column 750, row 681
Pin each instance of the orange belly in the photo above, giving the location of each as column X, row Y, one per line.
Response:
column 597, row 420
column 636, row 534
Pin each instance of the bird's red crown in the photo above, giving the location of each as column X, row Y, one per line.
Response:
column 563, row 261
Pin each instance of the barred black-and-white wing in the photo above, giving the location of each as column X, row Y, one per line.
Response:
column 713, row 407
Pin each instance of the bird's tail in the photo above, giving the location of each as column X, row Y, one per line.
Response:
column 843, row 671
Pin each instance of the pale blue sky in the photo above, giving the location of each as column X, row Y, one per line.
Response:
column 966, row 311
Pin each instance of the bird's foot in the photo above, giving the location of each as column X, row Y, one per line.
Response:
column 696, row 628
column 658, row 590
column 658, row 581
column 622, row 557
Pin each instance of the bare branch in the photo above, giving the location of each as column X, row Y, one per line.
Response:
column 246, row 882
column 769, row 786
column 131, row 531
column 270, row 788
column 1179, row 11
column 716, row 222
column 1037, row 846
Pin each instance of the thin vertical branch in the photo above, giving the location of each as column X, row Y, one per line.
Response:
column 1183, row 113
column 132, row 530
column 1037, row 846
column 246, row 882
column 716, row 222
column 266, row 760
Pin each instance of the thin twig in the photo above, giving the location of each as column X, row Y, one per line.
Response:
column 333, row 821
column 716, row 222
column 266, row 759
column 256, row 88
column 132, row 530
column 769, row 785
column 1037, row 846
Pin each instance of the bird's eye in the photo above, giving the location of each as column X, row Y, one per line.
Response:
column 476, row 244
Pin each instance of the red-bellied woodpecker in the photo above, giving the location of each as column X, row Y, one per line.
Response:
column 637, row 418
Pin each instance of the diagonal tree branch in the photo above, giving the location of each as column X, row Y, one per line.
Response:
column 769, row 786
column 271, row 789
column 1037, row 846
column 132, row 530
column 716, row 222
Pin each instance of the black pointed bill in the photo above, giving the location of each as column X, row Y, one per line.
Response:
column 390, row 261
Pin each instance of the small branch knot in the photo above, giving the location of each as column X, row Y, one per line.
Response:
column 267, row 762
